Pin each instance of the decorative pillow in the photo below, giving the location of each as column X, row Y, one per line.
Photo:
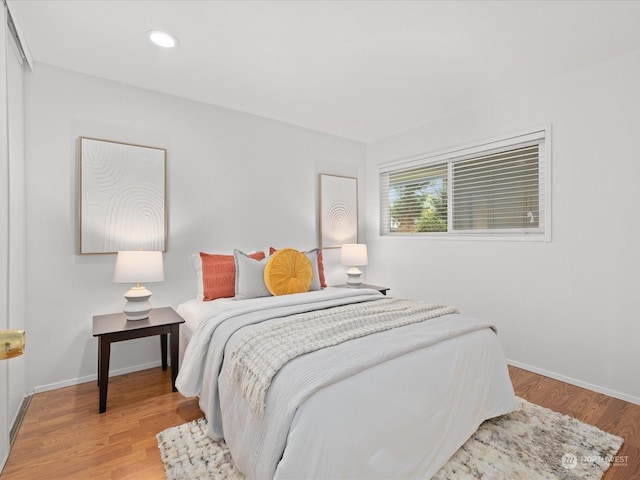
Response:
column 249, row 276
column 318, row 267
column 288, row 271
column 312, row 255
column 196, row 263
column 323, row 282
column 217, row 278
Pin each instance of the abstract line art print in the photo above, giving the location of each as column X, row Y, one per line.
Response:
column 122, row 197
column 338, row 210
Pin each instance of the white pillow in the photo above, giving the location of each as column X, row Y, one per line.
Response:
column 196, row 263
column 312, row 255
column 249, row 276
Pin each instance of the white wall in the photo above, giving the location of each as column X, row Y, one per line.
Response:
column 234, row 181
column 567, row 308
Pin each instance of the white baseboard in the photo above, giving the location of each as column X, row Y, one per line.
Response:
column 16, row 422
column 3, row 462
column 94, row 378
column 577, row 383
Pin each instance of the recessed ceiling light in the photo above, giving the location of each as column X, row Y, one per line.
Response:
column 162, row 39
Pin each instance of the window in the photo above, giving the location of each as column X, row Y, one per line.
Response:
column 496, row 189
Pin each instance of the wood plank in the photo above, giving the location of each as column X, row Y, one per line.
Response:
column 64, row 436
column 607, row 413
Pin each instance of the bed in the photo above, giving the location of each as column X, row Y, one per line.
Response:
column 396, row 403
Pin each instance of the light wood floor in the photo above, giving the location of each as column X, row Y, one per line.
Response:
column 64, row 437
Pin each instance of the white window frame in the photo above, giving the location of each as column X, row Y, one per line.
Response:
column 450, row 156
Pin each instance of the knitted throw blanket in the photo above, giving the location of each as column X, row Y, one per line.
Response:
column 260, row 354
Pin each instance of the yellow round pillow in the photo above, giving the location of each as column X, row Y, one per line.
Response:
column 288, row 271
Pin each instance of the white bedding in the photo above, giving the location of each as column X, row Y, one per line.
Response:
column 400, row 417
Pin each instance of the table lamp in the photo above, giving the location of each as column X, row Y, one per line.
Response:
column 353, row 255
column 138, row 267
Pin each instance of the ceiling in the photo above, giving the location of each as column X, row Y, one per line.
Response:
column 362, row 70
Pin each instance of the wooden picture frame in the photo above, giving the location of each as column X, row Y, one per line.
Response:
column 338, row 210
column 122, row 197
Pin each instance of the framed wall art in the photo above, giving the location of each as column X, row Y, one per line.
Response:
column 122, row 197
column 338, row 205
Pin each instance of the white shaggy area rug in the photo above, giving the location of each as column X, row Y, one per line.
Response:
column 533, row 443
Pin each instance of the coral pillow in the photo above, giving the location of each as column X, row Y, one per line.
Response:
column 323, row 283
column 219, row 274
column 288, row 271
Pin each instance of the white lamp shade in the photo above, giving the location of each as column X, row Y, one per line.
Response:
column 139, row 267
column 353, row 254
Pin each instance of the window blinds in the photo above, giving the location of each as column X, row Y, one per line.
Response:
column 498, row 191
column 417, row 199
column 493, row 188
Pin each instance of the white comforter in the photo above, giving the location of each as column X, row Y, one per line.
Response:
column 257, row 445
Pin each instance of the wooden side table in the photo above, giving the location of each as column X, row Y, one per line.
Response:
column 382, row 290
column 115, row 328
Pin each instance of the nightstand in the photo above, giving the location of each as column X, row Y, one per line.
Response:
column 115, row 328
column 382, row 290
